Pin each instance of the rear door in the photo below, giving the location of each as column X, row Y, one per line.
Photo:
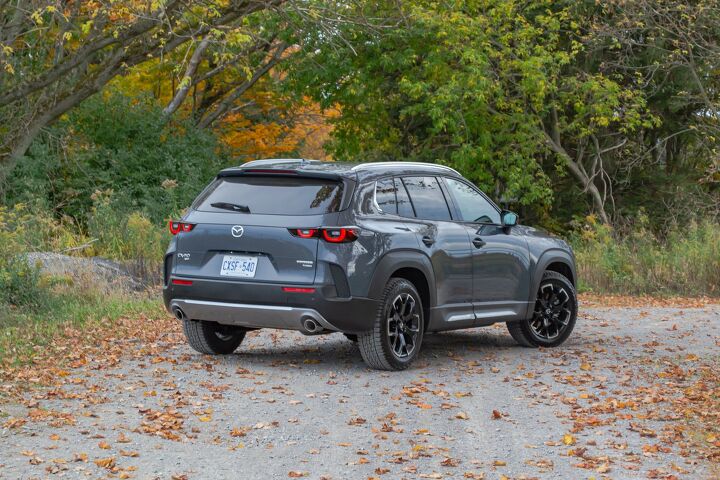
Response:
column 448, row 246
column 246, row 229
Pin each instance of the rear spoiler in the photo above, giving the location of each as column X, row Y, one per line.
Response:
column 284, row 172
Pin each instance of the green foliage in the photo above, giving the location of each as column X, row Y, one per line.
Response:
column 20, row 283
column 131, row 238
column 480, row 85
column 118, row 146
column 685, row 262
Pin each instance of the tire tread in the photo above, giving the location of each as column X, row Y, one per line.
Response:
column 201, row 337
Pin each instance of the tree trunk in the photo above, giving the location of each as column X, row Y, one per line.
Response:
column 587, row 183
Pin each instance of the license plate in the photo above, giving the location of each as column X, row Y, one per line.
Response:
column 238, row 266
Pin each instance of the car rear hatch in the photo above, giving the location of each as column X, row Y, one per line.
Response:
column 245, row 227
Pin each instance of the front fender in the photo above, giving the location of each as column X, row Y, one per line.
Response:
column 553, row 255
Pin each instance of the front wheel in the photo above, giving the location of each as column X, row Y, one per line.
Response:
column 394, row 341
column 553, row 317
column 212, row 338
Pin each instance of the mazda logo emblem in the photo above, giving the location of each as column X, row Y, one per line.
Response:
column 237, row 231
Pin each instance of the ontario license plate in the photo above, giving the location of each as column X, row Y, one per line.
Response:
column 238, row 266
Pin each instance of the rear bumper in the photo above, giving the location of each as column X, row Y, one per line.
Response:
column 249, row 315
column 256, row 305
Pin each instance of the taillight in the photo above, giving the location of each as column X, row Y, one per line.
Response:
column 339, row 235
column 329, row 234
column 177, row 281
column 177, row 227
column 306, row 232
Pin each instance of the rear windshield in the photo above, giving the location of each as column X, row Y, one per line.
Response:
column 271, row 196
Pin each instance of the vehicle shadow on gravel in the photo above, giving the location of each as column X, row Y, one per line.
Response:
column 335, row 352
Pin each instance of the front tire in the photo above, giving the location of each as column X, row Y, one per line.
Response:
column 397, row 333
column 554, row 314
column 212, row 338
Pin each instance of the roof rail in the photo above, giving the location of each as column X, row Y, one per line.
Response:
column 363, row 166
column 266, row 161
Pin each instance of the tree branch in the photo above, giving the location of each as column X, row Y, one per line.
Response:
column 187, row 80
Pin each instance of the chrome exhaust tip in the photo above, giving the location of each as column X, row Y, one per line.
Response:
column 310, row 326
column 179, row 314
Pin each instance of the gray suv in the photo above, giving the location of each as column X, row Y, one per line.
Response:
column 382, row 252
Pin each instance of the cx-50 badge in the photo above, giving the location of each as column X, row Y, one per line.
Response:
column 237, row 231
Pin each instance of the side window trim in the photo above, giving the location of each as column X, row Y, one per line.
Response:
column 399, row 180
column 480, row 192
column 450, row 200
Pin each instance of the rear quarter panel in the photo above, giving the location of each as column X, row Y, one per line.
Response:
column 379, row 234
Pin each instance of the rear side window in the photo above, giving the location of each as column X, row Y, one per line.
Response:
column 391, row 197
column 271, row 196
column 427, row 198
column 385, row 195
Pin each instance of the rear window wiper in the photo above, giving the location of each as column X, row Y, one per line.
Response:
column 231, row 206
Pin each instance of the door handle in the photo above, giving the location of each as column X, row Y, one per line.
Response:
column 478, row 242
column 428, row 240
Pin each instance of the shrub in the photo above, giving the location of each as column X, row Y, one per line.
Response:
column 19, row 281
column 685, row 261
column 132, row 238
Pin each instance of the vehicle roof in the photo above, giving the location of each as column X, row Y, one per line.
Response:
column 359, row 171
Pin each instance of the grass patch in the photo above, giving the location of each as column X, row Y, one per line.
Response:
column 682, row 261
column 25, row 331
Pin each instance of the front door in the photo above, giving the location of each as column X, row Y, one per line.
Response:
column 501, row 260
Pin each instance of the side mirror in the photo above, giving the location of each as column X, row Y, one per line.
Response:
column 509, row 219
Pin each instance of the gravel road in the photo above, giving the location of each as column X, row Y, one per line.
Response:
column 285, row 406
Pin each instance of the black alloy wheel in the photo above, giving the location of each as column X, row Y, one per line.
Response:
column 403, row 325
column 554, row 314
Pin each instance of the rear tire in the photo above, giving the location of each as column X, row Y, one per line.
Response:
column 351, row 336
column 554, row 314
column 396, row 336
column 212, row 338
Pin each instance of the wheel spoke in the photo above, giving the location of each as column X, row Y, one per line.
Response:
column 403, row 325
column 403, row 345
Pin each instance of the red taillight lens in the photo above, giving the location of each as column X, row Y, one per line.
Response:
column 177, row 227
column 298, row 290
column 329, row 234
column 339, row 235
column 177, row 281
column 306, row 232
